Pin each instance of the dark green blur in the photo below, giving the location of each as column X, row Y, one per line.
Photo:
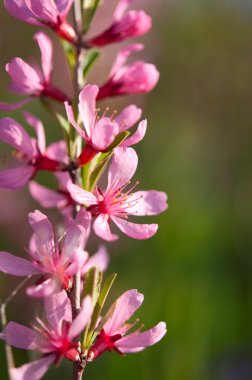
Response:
column 196, row 273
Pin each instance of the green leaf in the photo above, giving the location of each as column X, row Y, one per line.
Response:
column 89, row 7
column 97, row 172
column 92, row 284
column 101, row 300
column 118, row 139
column 90, row 58
column 92, row 333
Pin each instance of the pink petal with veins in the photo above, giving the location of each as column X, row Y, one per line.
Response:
column 135, row 231
column 124, row 307
column 16, row 266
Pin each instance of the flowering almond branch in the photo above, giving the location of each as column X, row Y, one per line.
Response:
column 68, row 279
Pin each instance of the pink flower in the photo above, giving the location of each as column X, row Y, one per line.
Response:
column 116, row 203
column 131, row 24
column 51, row 14
column 29, row 79
column 31, row 155
column 112, row 336
column 135, row 78
column 54, row 339
column 55, row 265
column 100, row 132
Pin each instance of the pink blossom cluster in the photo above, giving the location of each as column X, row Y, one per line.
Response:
column 104, row 140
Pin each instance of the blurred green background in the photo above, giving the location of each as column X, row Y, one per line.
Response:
column 196, row 272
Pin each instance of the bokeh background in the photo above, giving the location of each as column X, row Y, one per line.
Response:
column 196, row 272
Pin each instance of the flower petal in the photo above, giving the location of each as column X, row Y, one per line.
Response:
column 104, row 133
column 16, row 266
column 128, row 117
column 135, row 231
column 150, row 202
column 80, row 195
column 71, row 118
column 39, row 129
column 34, row 370
column 137, row 342
column 20, row 336
column 122, row 57
column 58, row 151
column 120, row 9
column 76, row 262
column 45, row 10
column 82, row 318
column 87, row 106
column 11, row 132
column 16, row 178
column 122, row 168
column 25, row 78
column 45, row 46
column 20, row 10
column 137, row 136
column 15, row 106
column 99, row 260
column 42, row 228
column 102, row 229
column 45, row 197
column 44, row 289
column 58, row 309
column 122, row 309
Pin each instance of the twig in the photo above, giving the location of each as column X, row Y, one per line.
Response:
column 75, row 293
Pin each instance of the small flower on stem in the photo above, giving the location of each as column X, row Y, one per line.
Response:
column 100, row 133
column 113, row 336
column 29, row 79
column 135, row 78
column 54, row 339
column 117, row 202
column 124, row 26
column 56, row 267
column 31, row 155
column 51, row 14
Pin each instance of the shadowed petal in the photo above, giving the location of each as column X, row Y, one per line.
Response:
column 150, row 202
column 124, row 307
column 122, row 57
column 20, row 336
column 16, row 266
column 15, row 106
column 99, row 260
column 46, row 197
column 102, row 229
column 16, row 178
column 14, row 134
column 25, row 78
column 82, row 319
column 42, row 228
column 45, row 46
column 19, row 9
column 136, row 231
column 58, row 308
column 137, row 342
column 58, row 151
column 39, row 129
column 34, row 370
column 44, row 289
